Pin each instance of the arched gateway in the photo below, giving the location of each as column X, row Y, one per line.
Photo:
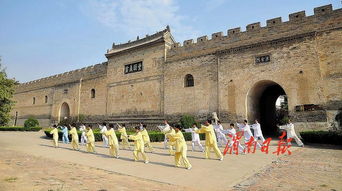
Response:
column 261, row 105
column 64, row 112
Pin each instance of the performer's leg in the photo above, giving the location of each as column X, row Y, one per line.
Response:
column 177, row 159
column 200, row 145
column 150, row 146
column 207, row 151
column 111, row 150
column 116, row 150
column 258, row 145
column 72, row 144
column 241, row 148
column 144, row 156
column 262, row 138
column 185, row 159
column 193, row 145
column 165, row 142
column 88, row 147
column 125, row 143
column 106, row 141
column 135, row 155
column 171, row 150
column 224, row 140
column 298, row 141
column 55, row 141
column 217, row 151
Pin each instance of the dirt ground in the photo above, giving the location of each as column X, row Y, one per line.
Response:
column 22, row 172
column 315, row 167
column 32, row 164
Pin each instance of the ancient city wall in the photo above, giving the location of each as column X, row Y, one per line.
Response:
column 89, row 72
column 305, row 60
column 324, row 18
column 53, row 88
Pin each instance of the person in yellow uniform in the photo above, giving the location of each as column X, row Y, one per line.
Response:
column 124, row 137
column 146, row 137
column 112, row 141
column 74, row 137
column 54, row 132
column 138, row 145
column 171, row 144
column 90, row 139
column 181, row 147
column 210, row 140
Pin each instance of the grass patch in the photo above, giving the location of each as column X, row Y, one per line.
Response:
column 11, row 179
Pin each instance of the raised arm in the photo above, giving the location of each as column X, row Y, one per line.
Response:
column 134, row 137
column 284, row 127
column 189, row 130
column 173, row 136
column 203, row 129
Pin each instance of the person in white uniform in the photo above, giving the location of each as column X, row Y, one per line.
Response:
column 221, row 137
column 231, row 132
column 247, row 133
column 165, row 127
column 257, row 131
column 83, row 135
column 195, row 138
column 291, row 133
column 103, row 128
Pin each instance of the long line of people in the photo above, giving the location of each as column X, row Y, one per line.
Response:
column 215, row 136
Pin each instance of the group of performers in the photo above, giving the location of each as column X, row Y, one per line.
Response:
column 215, row 136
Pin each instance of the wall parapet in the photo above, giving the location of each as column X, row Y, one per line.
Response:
column 85, row 73
column 324, row 18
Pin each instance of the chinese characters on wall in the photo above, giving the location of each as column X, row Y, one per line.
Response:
column 135, row 67
column 262, row 59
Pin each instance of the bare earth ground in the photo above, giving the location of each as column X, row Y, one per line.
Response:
column 21, row 172
column 30, row 163
column 315, row 167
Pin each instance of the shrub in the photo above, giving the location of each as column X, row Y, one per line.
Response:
column 187, row 120
column 20, row 129
column 31, row 122
column 324, row 137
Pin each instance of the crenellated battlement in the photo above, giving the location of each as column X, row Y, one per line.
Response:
column 85, row 73
column 324, row 18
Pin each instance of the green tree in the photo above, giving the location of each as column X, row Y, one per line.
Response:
column 187, row 120
column 6, row 93
column 31, row 122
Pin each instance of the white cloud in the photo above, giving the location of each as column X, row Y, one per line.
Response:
column 211, row 5
column 141, row 17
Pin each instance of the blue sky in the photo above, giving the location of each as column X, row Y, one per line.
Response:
column 39, row 38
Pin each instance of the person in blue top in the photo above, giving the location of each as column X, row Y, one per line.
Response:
column 65, row 132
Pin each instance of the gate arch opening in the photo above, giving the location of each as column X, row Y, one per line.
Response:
column 261, row 105
column 64, row 112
